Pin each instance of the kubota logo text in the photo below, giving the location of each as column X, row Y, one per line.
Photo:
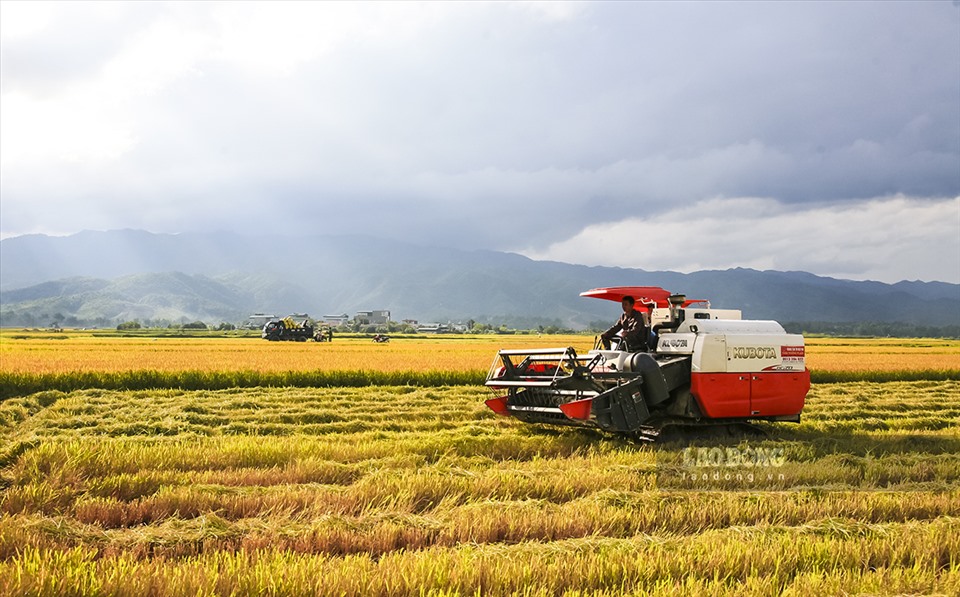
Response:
column 754, row 352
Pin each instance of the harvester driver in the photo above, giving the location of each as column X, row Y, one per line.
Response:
column 631, row 325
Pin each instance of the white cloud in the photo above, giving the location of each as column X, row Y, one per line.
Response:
column 21, row 20
column 556, row 10
column 886, row 239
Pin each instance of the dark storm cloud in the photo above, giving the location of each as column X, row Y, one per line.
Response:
column 510, row 126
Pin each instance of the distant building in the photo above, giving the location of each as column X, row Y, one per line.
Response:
column 433, row 328
column 336, row 319
column 372, row 317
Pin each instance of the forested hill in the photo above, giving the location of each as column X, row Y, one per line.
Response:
column 222, row 276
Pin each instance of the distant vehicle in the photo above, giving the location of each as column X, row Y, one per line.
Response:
column 381, row 338
column 288, row 329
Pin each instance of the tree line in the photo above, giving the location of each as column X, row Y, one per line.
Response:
column 873, row 329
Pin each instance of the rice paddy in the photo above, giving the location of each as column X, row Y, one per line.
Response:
column 414, row 487
column 58, row 353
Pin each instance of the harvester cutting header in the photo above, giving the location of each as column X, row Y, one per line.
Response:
column 689, row 365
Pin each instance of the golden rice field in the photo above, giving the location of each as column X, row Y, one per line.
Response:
column 82, row 352
column 79, row 351
column 419, row 489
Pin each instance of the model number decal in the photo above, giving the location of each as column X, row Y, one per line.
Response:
column 754, row 352
column 675, row 343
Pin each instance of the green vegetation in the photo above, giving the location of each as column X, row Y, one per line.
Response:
column 873, row 329
column 393, row 490
column 22, row 384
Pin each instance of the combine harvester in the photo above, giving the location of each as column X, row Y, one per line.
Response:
column 704, row 367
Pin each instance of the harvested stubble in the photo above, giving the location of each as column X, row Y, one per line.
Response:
column 399, row 490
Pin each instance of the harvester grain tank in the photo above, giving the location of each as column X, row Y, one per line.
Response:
column 701, row 366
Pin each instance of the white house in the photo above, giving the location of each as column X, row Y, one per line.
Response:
column 372, row 317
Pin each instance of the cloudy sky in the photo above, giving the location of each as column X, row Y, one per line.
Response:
column 817, row 136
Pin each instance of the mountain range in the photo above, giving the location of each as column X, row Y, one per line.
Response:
column 122, row 275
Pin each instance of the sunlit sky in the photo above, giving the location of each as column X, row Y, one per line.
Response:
column 816, row 136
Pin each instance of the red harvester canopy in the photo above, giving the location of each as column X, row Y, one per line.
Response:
column 642, row 294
